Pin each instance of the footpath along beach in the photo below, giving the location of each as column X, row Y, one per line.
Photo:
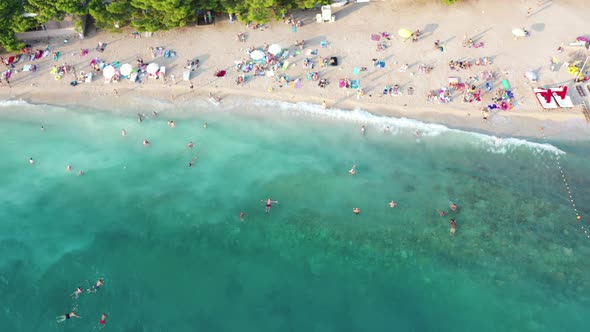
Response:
column 403, row 78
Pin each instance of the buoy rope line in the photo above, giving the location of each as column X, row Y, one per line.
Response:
column 567, row 188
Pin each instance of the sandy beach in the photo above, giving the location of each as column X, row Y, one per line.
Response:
column 550, row 23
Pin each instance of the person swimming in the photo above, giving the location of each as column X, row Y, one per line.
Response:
column 80, row 173
column 363, row 130
column 103, row 319
column 146, row 142
column 453, row 226
column 352, row 171
column 242, row 214
column 99, row 283
column 454, row 207
column 192, row 162
column 356, row 210
column 269, row 203
column 171, row 124
column 190, row 145
column 392, row 204
column 31, row 161
column 123, row 132
column 77, row 292
column 441, row 213
column 205, row 125
column 67, row 316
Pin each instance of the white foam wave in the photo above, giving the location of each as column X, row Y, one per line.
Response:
column 402, row 125
column 13, row 102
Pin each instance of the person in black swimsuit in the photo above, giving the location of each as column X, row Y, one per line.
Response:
column 62, row 318
column 96, row 286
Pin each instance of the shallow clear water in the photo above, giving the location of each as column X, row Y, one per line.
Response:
column 175, row 256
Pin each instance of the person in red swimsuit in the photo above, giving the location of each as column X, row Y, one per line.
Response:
column 103, row 319
column 269, row 204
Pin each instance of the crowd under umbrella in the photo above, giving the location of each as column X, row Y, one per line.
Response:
column 152, row 68
column 404, row 33
column 108, row 72
column 275, row 49
column 126, row 69
column 257, row 55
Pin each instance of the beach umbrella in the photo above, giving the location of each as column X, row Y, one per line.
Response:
column 257, row 55
column 126, row 69
column 519, row 32
column 405, row 33
column 108, row 72
column 531, row 76
column 274, row 49
column 152, row 68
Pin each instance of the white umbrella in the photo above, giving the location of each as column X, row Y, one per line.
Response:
column 257, row 55
column 108, row 72
column 274, row 49
column 126, row 69
column 152, row 68
column 531, row 76
column 519, row 32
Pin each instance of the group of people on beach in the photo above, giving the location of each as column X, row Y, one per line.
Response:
column 76, row 294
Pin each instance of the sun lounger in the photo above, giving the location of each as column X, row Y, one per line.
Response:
column 355, row 84
column 186, row 75
column 580, row 91
column 285, row 65
column 545, row 98
column 561, row 97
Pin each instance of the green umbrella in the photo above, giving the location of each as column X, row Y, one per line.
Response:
column 405, row 33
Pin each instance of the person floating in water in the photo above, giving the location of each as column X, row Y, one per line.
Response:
column 72, row 313
column 123, row 132
column 392, row 204
column 190, row 145
column 80, row 173
column 77, row 292
column 363, row 130
column 139, row 117
column 31, row 161
column 454, row 207
column 192, row 162
column 205, row 125
column 453, row 226
column 146, row 142
column 356, row 210
column 441, row 213
column 69, row 168
column 352, row 170
column 242, row 214
column 99, row 283
column 269, row 203
column 103, row 319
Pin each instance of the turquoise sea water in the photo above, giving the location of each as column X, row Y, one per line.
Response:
column 175, row 256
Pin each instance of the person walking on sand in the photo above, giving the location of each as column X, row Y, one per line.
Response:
column 67, row 316
column 453, row 227
column 269, row 203
column 103, row 319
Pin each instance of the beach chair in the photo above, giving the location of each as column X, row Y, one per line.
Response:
column 561, row 97
column 545, row 98
column 285, row 65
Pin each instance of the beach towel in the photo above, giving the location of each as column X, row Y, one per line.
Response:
column 221, row 73
column 354, row 84
column 294, row 28
column 324, row 43
column 506, row 85
column 298, row 84
column 285, row 65
column 375, row 37
column 356, row 70
column 27, row 68
column 342, row 83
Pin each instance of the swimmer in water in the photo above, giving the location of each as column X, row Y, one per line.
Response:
column 155, row 113
column 171, row 124
column 352, row 170
column 62, row 318
column 441, row 213
column 356, row 210
column 69, row 168
column 123, row 132
column 242, row 216
column 418, row 133
column 392, row 204
column 31, row 161
column 190, row 145
column 103, row 319
column 269, row 203
column 205, row 125
column 192, row 162
column 77, row 292
column 146, row 142
column 454, row 207
column 453, row 227
column 99, row 283
column 80, row 173
column 363, row 130
column 42, row 128
column 139, row 118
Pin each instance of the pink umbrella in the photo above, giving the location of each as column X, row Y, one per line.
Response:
column 584, row 39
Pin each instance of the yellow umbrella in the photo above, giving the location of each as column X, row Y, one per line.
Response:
column 405, row 33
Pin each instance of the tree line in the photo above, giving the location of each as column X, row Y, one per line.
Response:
column 143, row 15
